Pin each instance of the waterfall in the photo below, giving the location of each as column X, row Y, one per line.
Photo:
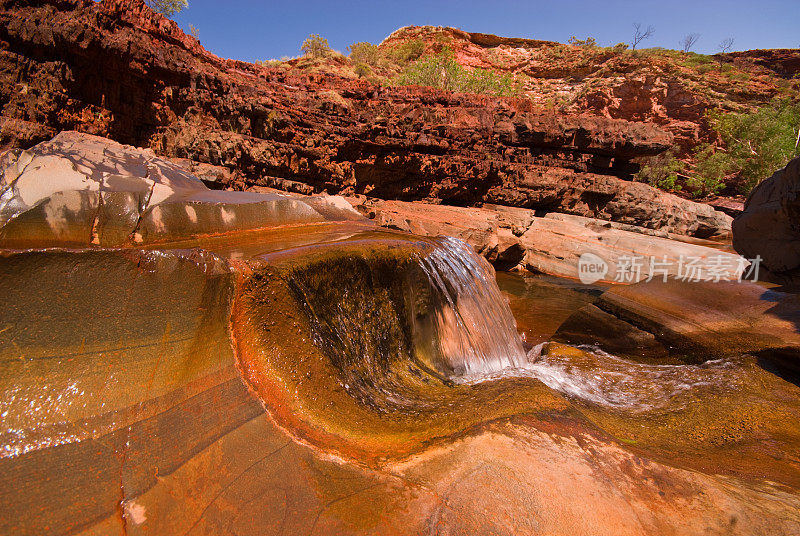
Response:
column 474, row 329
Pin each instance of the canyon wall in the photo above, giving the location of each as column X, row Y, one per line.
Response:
column 117, row 69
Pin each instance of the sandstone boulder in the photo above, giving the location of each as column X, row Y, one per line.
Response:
column 80, row 190
column 770, row 223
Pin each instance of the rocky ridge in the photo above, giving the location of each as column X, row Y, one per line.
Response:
column 159, row 88
column 664, row 87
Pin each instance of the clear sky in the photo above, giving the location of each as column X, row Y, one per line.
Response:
column 251, row 30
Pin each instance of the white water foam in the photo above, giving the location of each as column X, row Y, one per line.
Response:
column 610, row 381
column 477, row 335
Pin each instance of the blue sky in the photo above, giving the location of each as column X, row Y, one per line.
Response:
column 251, row 30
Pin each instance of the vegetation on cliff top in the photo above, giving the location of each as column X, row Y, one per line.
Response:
column 673, row 88
column 443, row 71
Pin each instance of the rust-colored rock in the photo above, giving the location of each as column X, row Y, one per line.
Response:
column 662, row 87
column 159, row 88
column 769, row 226
column 511, row 237
column 236, row 380
column 783, row 61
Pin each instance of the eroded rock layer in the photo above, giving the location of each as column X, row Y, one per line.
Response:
column 115, row 68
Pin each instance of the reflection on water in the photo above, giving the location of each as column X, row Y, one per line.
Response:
column 541, row 303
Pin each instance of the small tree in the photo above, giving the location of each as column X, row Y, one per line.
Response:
column 640, row 35
column 689, row 41
column 167, row 7
column 194, row 32
column 315, row 46
column 724, row 47
column 365, row 53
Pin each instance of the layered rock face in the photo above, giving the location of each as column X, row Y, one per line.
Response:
column 770, row 224
column 158, row 88
column 666, row 88
column 784, row 62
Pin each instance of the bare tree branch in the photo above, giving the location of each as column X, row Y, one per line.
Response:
column 639, row 35
column 726, row 45
column 689, row 41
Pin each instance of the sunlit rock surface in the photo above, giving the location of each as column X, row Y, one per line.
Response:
column 81, row 190
column 770, row 224
column 296, row 370
column 553, row 243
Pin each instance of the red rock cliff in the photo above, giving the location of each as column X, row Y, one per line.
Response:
column 119, row 70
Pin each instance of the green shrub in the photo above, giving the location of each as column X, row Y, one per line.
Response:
column 710, row 172
column 662, row 171
column 316, row 46
column 693, row 59
column 409, row 51
column 756, row 143
column 362, row 70
column 705, row 68
column 619, row 48
column 589, row 42
column 167, row 7
column 443, row 71
column 364, row 53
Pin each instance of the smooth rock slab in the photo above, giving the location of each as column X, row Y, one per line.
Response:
column 699, row 320
column 82, row 190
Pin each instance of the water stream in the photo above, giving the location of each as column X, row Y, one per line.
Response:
column 475, row 329
column 478, row 336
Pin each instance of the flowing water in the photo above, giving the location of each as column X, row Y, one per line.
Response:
column 479, row 338
column 413, row 341
column 594, row 376
column 475, row 328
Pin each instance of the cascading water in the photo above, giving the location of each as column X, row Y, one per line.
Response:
column 475, row 330
column 388, row 323
column 476, row 336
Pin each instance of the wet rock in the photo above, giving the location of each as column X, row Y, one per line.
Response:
column 552, row 244
column 770, row 224
column 594, row 326
column 692, row 321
